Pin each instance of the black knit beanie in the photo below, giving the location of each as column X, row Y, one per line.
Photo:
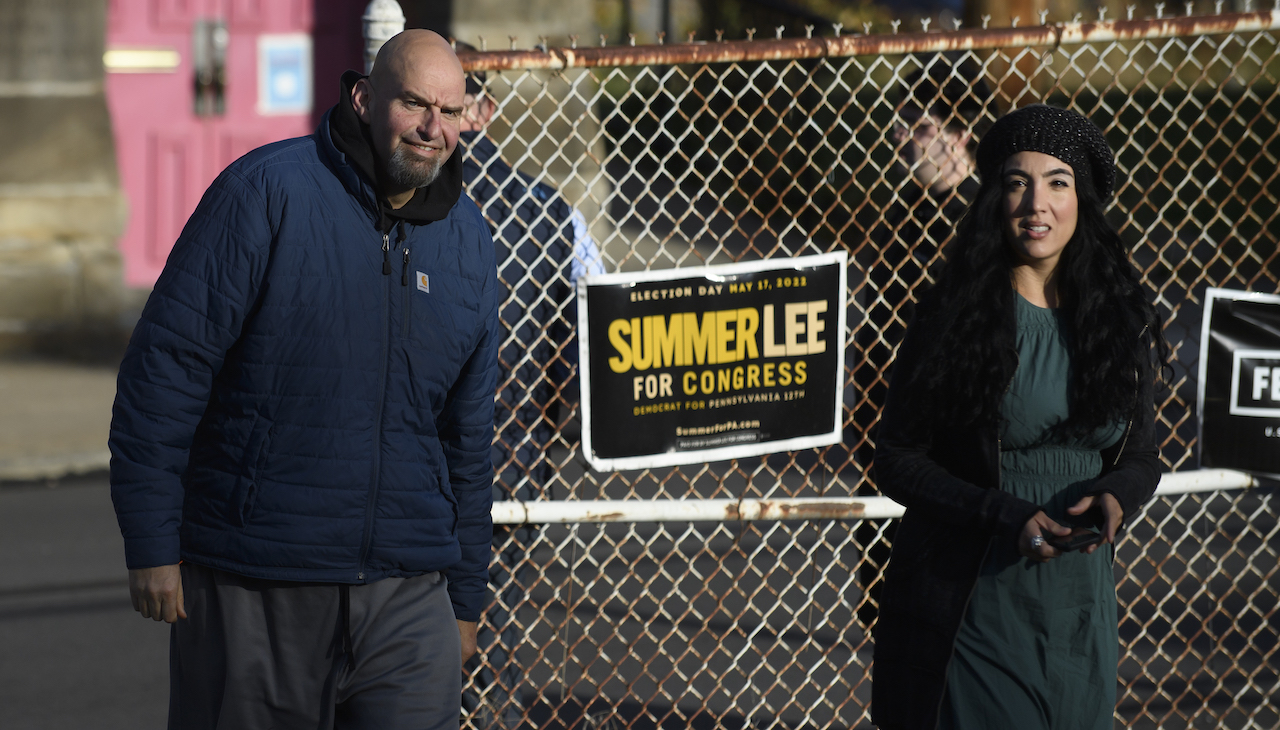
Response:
column 1061, row 133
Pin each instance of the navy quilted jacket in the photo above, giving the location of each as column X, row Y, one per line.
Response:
column 286, row 410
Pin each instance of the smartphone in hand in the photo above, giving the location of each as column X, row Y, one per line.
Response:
column 1075, row 541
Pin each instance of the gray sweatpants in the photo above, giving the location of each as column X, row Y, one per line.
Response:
column 272, row 654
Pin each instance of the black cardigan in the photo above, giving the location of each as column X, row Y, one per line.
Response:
column 950, row 484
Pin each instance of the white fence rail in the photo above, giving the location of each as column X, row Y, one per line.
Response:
column 798, row 508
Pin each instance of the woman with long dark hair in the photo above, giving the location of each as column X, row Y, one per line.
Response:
column 1019, row 418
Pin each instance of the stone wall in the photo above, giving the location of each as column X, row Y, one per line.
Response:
column 61, row 208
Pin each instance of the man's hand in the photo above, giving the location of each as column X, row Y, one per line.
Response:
column 157, row 594
column 1112, row 515
column 467, row 630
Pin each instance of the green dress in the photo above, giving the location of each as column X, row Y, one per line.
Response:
column 1038, row 644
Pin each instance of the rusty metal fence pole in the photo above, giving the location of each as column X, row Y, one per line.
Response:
column 515, row 512
column 675, row 597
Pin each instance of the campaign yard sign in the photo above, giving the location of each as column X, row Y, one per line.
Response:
column 1238, row 398
column 709, row 363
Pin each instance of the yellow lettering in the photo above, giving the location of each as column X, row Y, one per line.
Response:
column 668, row 341
column 690, row 383
column 801, row 375
column 708, row 382
column 738, row 378
column 816, row 325
column 753, row 376
column 771, row 347
column 641, row 350
column 768, row 375
column 722, row 379
column 618, row 328
column 697, row 339
column 784, row 373
column 687, row 339
column 748, row 323
column 794, row 328
column 724, row 335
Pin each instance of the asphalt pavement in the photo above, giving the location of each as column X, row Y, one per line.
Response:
column 75, row 655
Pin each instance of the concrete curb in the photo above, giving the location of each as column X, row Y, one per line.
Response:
column 36, row 468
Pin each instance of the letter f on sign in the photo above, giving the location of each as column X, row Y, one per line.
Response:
column 1260, row 381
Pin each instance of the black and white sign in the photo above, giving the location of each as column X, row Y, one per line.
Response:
column 702, row 364
column 1255, row 383
column 1239, row 390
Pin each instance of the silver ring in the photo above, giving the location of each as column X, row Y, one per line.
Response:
column 1036, row 541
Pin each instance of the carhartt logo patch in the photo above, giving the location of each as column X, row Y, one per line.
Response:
column 424, row 282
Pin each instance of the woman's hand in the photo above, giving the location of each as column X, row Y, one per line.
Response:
column 1040, row 526
column 1112, row 516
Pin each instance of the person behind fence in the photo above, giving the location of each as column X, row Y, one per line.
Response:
column 1019, row 417
column 542, row 248
column 943, row 112
column 301, row 436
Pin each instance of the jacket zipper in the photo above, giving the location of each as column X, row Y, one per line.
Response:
column 1129, row 426
column 366, row 540
column 408, row 299
column 1136, row 393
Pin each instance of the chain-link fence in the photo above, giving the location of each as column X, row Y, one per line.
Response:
column 727, row 151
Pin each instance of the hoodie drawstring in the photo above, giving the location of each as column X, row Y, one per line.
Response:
column 344, row 596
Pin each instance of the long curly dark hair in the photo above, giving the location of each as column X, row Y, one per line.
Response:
column 1115, row 330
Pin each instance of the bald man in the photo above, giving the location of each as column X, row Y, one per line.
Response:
column 301, row 436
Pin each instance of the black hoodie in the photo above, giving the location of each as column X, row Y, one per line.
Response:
column 352, row 138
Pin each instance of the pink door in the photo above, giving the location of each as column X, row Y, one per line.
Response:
column 194, row 84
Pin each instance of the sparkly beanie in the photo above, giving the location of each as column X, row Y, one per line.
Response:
column 1061, row 133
